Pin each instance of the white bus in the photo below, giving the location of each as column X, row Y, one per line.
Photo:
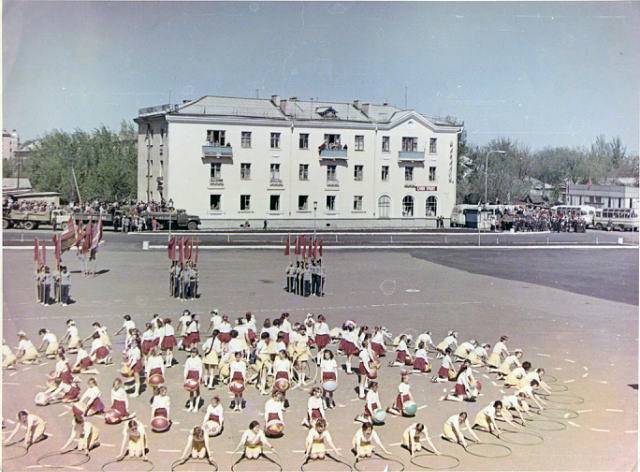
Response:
column 586, row 213
column 623, row 219
column 458, row 214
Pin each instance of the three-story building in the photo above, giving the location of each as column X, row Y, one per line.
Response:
column 298, row 163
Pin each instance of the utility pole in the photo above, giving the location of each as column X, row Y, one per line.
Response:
column 75, row 181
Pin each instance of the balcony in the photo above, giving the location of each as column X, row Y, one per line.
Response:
column 333, row 153
column 275, row 182
column 411, row 156
column 333, row 183
column 212, row 152
column 216, row 182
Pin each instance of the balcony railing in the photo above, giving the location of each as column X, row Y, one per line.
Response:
column 411, row 155
column 216, row 181
column 275, row 182
column 333, row 183
column 333, row 153
column 211, row 152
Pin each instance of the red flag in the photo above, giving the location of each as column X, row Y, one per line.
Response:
column 97, row 235
column 190, row 249
column 181, row 251
column 304, row 246
column 57, row 252
column 68, row 237
column 309, row 248
column 287, row 247
column 195, row 260
column 36, row 251
column 44, row 253
column 315, row 248
column 320, row 248
column 79, row 234
column 88, row 236
column 171, row 248
column 296, row 251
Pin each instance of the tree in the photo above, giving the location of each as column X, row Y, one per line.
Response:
column 104, row 162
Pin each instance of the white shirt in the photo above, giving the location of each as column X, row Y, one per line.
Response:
column 273, row 406
column 500, row 348
column 372, row 397
column 169, row 330
column 235, row 345
column 155, row 362
column 215, row 321
column 133, row 356
column 322, row 328
column 281, row 365
column 72, row 332
column 365, row 358
column 285, row 326
column 121, row 396
column 329, row 365
column 315, row 403
column 490, row 411
column 447, row 362
column 161, row 401
column 402, row 346
column 90, row 394
column 214, row 410
column 238, row 366
column 426, row 339
column 49, row 338
column 422, row 354
column 224, row 327
column 25, row 345
column 193, row 363
column 404, row 388
column 96, row 344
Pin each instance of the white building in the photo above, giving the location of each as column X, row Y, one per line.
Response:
column 10, row 143
column 231, row 160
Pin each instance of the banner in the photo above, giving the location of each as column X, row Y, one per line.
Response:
column 287, row 246
column 36, row 251
column 44, row 253
column 57, row 250
column 68, row 237
column 171, row 249
column 297, row 248
column 320, row 248
column 195, row 260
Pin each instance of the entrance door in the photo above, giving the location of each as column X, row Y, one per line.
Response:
column 384, row 206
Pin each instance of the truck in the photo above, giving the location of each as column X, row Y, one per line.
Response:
column 31, row 220
column 179, row 219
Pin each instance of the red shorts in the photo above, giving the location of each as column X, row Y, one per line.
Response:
column 273, row 416
column 285, row 337
column 168, row 342
column 86, row 362
column 377, row 348
column 137, row 368
column 322, row 341
column 443, row 372
column 400, row 400
column 156, row 370
column 460, row 390
column 237, row 376
column 420, row 364
column 192, row 338
column 193, row 374
column 251, row 335
column 102, row 352
column 96, row 406
column 147, row 344
column 367, row 410
column 224, row 337
column 281, row 375
column 215, row 418
column 401, row 356
column 348, row 347
column 315, row 414
column 120, row 407
column 328, row 376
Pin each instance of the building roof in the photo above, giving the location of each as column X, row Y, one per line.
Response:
column 290, row 109
column 11, row 183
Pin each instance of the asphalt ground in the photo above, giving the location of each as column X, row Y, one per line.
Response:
column 584, row 339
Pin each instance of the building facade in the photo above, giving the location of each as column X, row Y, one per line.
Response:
column 10, row 142
column 298, row 163
column 602, row 196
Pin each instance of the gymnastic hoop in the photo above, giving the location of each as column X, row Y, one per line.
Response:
column 422, row 466
column 311, row 367
column 83, row 459
column 181, row 462
column 550, row 378
column 552, row 425
column 233, row 466
column 330, row 457
column 557, row 388
column 23, row 451
column 565, row 399
column 561, row 413
column 380, row 457
column 511, row 435
column 506, row 450
column 137, row 459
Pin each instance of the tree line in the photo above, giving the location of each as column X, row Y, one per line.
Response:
column 105, row 165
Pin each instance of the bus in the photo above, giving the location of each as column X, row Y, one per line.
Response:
column 489, row 214
column 587, row 213
column 621, row 219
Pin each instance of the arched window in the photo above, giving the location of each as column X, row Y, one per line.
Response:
column 432, row 206
column 407, row 206
column 384, row 206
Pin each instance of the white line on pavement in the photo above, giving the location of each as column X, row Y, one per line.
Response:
column 614, row 410
column 583, row 411
column 278, row 247
column 631, row 431
column 570, row 360
column 543, row 355
column 574, row 424
column 600, row 430
column 169, row 450
column 569, row 381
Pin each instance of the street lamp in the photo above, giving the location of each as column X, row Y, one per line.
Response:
column 315, row 208
column 486, row 170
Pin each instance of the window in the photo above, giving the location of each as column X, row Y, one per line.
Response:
column 275, row 140
column 359, row 143
column 331, row 173
column 407, row 206
column 408, row 174
column 215, row 202
column 245, row 171
column 433, row 145
column 303, row 172
column 432, row 174
column 245, row 139
column 358, row 172
column 274, row 203
column 245, row 202
column 216, row 137
column 410, row 144
column 332, row 141
column 357, row 203
column 303, row 141
column 274, row 169
column 216, row 171
column 303, row 202
column 432, row 206
column 331, row 202
column 385, row 173
column 385, row 144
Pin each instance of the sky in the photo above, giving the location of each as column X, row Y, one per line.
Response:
column 545, row 74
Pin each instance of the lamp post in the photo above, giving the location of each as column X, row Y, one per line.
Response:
column 486, row 170
column 315, row 208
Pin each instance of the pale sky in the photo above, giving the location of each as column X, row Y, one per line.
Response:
column 545, row 74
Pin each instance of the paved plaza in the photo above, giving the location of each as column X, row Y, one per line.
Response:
column 584, row 339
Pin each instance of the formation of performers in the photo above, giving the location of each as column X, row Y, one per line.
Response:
column 305, row 278
column 51, row 287
column 183, row 280
column 276, row 359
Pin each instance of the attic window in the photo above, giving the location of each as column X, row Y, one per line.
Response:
column 326, row 112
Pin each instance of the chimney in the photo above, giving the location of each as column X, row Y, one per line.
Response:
column 283, row 105
column 385, row 104
column 275, row 99
column 364, row 108
column 356, row 104
column 293, row 99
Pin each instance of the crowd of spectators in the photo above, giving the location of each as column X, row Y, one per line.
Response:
column 534, row 218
